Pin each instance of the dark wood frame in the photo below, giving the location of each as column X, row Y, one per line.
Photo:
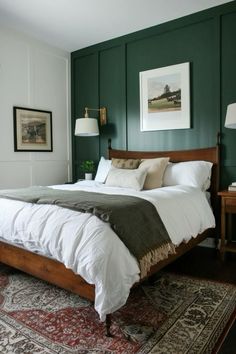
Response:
column 56, row 273
column 15, row 118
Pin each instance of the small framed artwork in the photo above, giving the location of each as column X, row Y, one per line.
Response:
column 32, row 129
column 165, row 98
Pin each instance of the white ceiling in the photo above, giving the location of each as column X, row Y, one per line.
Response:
column 75, row 24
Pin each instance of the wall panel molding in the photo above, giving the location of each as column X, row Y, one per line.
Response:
column 35, row 75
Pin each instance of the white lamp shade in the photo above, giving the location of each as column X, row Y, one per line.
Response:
column 230, row 120
column 86, row 127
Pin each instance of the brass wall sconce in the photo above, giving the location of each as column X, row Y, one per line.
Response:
column 102, row 114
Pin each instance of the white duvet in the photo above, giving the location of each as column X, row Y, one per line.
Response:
column 90, row 247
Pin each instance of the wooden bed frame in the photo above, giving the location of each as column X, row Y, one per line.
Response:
column 56, row 273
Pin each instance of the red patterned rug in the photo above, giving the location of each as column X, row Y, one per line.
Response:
column 176, row 314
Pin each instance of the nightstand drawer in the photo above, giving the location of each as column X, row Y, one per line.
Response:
column 230, row 205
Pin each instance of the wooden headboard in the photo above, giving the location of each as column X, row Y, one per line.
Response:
column 207, row 154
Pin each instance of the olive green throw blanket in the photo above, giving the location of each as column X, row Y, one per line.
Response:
column 135, row 220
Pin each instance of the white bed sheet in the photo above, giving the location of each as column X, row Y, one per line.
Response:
column 89, row 246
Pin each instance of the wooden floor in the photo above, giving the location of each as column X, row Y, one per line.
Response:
column 205, row 263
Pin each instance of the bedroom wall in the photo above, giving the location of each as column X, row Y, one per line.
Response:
column 107, row 74
column 35, row 75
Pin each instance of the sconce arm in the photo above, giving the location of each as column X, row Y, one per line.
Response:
column 102, row 116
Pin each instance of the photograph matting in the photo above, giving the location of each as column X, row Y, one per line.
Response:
column 165, row 98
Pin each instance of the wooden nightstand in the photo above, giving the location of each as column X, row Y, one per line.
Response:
column 228, row 207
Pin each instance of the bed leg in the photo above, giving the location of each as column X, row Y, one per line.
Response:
column 108, row 325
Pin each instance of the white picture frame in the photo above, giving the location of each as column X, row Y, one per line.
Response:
column 165, row 98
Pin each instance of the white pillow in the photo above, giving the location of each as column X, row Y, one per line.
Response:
column 103, row 169
column 134, row 179
column 189, row 173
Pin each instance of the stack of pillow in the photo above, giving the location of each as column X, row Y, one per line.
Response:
column 153, row 173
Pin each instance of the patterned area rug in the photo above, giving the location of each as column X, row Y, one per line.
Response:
column 175, row 314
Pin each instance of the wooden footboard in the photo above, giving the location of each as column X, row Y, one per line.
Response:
column 46, row 269
column 56, row 273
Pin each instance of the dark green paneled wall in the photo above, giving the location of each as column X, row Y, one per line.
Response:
column 113, row 96
column 174, row 47
column 107, row 75
column 85, row 90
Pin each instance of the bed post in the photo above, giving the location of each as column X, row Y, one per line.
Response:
column 108, row 325
column 109, row 143
column 218, row 139
column 217, row 207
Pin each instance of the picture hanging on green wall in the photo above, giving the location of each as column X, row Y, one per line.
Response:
column 165, row 98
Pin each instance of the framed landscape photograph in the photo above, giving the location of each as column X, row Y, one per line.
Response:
column 32, row 129
column 165, row 98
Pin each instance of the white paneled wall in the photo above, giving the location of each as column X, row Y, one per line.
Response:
column 34, row 75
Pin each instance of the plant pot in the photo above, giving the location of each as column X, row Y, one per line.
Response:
column 88, row 176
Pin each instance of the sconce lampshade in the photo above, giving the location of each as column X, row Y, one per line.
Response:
column 86, row 127
column 230, row 120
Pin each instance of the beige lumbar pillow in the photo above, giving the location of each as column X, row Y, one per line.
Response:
column 128, row 164
column 134, row 179
column 155, row 171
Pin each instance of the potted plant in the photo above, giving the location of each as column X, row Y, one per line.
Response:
column 88, row 167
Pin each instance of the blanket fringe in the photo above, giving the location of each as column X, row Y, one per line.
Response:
column 154, row 256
